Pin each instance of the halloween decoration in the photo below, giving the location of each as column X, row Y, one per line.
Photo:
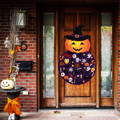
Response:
column 21, row 47
column 13, row 106
column 77, row 65
column 12, row 42
column 11, row 117
column 77, row 46
column 8, row 85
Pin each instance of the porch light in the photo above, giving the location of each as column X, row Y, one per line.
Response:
column 20, row 18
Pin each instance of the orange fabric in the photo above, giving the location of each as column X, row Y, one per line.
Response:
column 78, row 46
column 13, row 106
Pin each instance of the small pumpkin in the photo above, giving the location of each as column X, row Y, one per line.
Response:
column 77, row 46
column 7, row 84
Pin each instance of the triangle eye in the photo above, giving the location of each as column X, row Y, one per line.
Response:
column 73, row 43
column 81, row 43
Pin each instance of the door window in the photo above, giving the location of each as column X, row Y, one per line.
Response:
column 106, row 54
column 48, row 55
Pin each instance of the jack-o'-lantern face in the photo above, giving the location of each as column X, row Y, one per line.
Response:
column 7, row 84
column 77, row 46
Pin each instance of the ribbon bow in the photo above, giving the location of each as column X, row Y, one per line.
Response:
column 13, row 106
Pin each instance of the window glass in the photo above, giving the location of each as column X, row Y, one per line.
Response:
column 48, row 55
column 106, row 54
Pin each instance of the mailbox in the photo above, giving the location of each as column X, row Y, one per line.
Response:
column 25, row 65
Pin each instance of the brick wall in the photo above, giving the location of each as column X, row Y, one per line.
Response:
column 27, row 34
column 118, row 39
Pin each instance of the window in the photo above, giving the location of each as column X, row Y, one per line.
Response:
column 106, row 54
column 48, row 60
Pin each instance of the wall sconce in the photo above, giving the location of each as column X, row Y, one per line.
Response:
column 20, row 18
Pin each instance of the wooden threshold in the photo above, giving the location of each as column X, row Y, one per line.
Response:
column 77, row 105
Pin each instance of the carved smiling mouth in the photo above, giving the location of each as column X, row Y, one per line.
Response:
column 77, row 49
column 5, row 85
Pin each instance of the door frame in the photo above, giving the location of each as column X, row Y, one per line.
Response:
column 98, row 55
column 105, row 100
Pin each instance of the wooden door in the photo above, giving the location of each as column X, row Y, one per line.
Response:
column 85, row 94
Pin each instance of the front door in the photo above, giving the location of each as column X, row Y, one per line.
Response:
column 84, row 94
column 55, row 92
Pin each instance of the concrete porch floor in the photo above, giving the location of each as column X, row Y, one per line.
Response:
column 68, row 114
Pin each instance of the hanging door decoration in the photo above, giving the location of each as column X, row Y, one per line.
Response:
column 77, row 65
